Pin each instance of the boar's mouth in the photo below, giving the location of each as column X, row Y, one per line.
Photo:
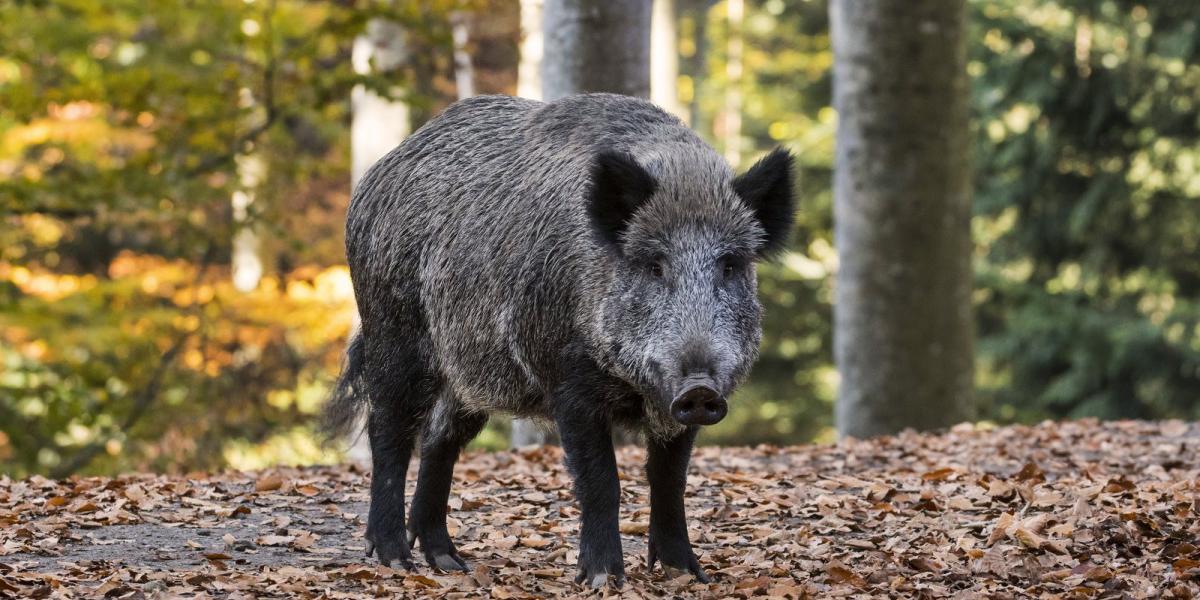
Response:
column 698, row 402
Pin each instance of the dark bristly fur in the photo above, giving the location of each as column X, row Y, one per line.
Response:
column 584, row 262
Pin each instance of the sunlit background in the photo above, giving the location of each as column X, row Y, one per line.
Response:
column 146, row 147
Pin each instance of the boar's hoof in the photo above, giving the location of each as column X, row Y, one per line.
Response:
column 441, row 554
column 680, row 560
column 448, row 562
column 673, row 572
column 391, row 551
column 600, row 580
column 598, row 568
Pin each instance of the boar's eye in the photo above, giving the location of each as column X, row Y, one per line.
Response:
column 729, row 266
column 656, row 270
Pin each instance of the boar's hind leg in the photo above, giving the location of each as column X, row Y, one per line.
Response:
column 446, row 432
column 397, row 388
column 587, row 442
column 666, row 468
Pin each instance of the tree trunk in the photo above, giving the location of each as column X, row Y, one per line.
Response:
column 529, row 69
column 246, row 251
column 525, row 432
column 587, row 46
column 377, row 125
column 697, row 64
column 731, row 118
column 596, row 46
column 529, row 85
column 247, row 264
column 902, row 210
column 464, row 71
column 664, row 59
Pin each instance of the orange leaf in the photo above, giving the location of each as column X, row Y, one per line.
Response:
column 535, row 541
column 269, row 483
column 938, row 475
column 1030, row 472
column 634, row 528
column 838, row 573
column 422, row 580
column 1185, row 564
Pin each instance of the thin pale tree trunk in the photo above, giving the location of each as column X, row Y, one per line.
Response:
column 247, row 265
column 902, row 210
column 697, row 64
column 246, row 250
column 464, row 71
column 664, row 59
column 529, row 85
column 377, row 124
column 732, row 117
column 587, row 46
column 529, row 69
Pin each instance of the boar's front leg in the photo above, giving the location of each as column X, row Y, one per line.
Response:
column 666, row 468
column 587, row 442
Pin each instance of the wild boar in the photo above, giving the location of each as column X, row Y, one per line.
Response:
column 588, row 261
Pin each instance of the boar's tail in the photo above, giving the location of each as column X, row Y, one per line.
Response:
column 348, row 398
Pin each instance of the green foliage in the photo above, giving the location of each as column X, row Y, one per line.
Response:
column 1087, row 227
column 1088, row 173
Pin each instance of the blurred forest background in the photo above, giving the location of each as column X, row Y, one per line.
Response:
column 174, row 178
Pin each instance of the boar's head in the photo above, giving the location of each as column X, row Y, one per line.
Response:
column 680, row 316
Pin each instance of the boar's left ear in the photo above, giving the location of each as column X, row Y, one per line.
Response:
column 767, row 189
column 619, row 186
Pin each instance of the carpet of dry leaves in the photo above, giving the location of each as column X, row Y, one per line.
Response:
column 1060, row 510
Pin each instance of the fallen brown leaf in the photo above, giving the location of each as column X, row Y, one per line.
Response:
column 268, row 483
column 634, row 527
column 1057, row 510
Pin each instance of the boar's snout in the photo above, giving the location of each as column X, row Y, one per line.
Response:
column 699, row 403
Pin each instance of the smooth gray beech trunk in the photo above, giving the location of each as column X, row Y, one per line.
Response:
column 902, row 210
column 587, row 46
column 596, row 46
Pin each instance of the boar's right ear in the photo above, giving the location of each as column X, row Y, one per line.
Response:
column 767, row 189
column 619, row 185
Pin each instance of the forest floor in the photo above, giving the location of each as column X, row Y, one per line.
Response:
column 1076, row 509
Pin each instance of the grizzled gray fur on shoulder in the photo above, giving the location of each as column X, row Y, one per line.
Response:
column 588, row 261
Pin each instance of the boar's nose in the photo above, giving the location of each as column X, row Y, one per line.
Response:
column 699, row 403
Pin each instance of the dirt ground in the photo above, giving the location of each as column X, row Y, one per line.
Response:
column 1060, row 510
